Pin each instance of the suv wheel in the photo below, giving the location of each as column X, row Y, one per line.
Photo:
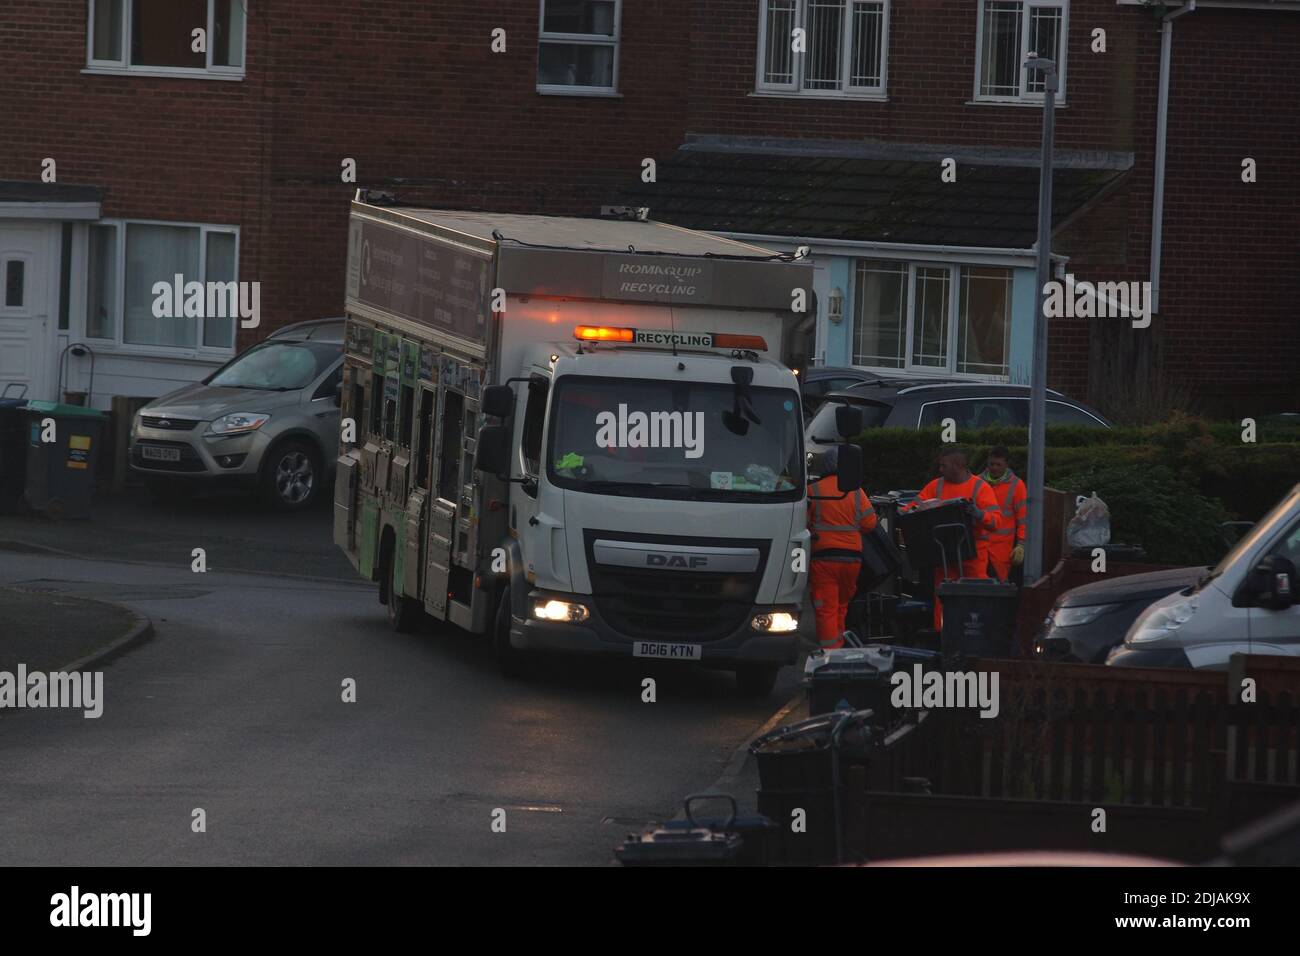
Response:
column 291, row 475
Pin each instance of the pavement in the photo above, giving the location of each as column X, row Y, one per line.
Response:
column 235, row 708
column 51, row 631
column 237, row 533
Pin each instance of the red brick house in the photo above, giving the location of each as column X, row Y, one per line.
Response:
column 224, row 160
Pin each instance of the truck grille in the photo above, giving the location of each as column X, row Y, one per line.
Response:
column 657, row 604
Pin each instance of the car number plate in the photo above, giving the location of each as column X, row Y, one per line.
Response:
column 672, row 652
column 160, row 454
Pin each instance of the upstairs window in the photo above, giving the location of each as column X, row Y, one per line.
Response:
column 823, row 47
column 1009, row 30
column 158, row 36
column 577, row 49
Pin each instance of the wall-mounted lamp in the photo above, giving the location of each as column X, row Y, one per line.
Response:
column 835, row 305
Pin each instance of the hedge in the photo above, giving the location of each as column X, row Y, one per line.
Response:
column 1206, row 461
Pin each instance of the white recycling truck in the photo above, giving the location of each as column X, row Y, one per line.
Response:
column 576, row 435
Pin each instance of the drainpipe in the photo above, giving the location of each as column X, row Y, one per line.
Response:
column 1162, row 119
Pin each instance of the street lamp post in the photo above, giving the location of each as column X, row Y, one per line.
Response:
column 1038, row 373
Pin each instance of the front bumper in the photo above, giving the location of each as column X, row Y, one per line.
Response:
column 235, row 457
column 594, row 636
column 1126, row 656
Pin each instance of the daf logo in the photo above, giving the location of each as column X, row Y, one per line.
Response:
column 676, row 561
column 164, row 423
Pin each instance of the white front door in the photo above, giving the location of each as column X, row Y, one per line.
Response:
column 28, row 264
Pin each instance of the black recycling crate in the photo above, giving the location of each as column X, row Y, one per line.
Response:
column 871, row 614
column 939, row 533
column 852, row 678
column 799, row 767
column 881, row 560
column 703, row 841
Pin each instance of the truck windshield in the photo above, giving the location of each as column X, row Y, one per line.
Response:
column 675, row 440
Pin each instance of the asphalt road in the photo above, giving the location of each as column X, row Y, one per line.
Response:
column 236, row 708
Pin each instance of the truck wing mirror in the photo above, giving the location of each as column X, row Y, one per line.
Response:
column 498, row 401
column 848, row 421
column 492, row 453
column 848, row 471
column 1273, row 582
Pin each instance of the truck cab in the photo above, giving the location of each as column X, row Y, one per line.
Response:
column 656, row 502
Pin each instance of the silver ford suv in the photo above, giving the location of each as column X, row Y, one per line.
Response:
column 268, row 418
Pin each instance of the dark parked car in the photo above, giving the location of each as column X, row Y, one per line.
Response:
column 817, row 381
column 1087, row 621
column 893, row 403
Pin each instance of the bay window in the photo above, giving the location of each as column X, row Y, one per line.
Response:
column 951, row 319
column 844, row 47
column 126, row 259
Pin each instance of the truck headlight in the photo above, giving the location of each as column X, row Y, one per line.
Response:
column 560, row 611
column 1161, row 623
column 775, row 622
column 236, row 423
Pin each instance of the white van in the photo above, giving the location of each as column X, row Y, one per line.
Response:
column 1244, row 604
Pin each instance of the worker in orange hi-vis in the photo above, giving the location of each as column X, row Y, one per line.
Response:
column 1007, row 543
column 956, row 481
column 837, row 522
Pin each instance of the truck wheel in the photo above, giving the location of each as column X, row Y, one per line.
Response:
column 756, row 680
column 291, row 475
column 403, row 612
column 511, row 662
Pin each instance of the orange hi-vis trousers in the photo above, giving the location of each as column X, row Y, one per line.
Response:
column 833, row 584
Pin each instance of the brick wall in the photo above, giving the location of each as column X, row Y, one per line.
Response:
column 414, row 94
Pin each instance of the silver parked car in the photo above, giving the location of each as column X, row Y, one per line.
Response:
column 267, row 418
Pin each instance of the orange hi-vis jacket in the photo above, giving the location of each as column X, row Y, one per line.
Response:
column 837, row 523
column 979, row 492
column 1012, row 497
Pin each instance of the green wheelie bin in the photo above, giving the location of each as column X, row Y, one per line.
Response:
column 61, row 471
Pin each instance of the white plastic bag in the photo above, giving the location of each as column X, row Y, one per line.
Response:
column 1090, row 526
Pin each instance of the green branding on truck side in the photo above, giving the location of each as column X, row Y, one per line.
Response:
column 369, row 537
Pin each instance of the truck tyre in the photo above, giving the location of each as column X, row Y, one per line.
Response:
column 404, row 613
column 291, row 475
column 511, row 662
column 756, row 680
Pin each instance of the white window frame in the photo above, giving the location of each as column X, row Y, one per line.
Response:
column 795, row 87
column 581, row 39
column 123, row 65
column 118, row 343
column 954, row 317
column 1023, row 98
